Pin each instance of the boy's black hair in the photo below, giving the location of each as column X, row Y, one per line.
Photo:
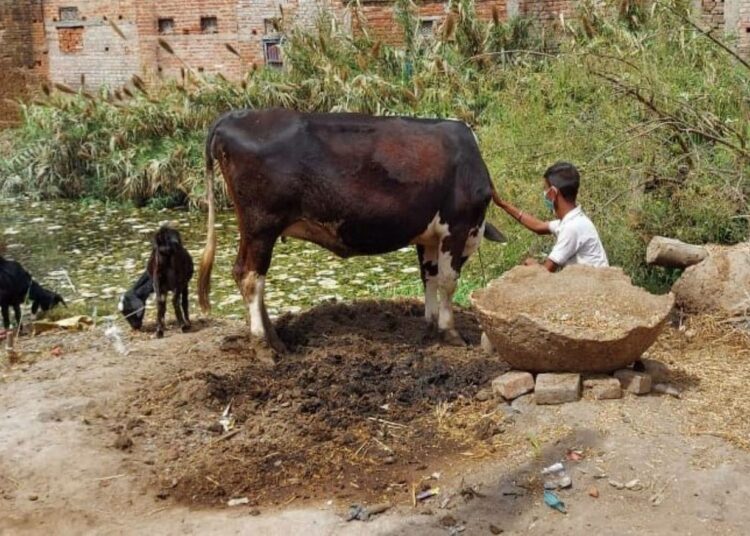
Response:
column 564, row 176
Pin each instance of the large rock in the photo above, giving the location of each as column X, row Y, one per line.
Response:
column 557, row 388
column 719, row 284
column 581, row 319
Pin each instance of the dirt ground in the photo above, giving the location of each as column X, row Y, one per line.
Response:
column 367, row 408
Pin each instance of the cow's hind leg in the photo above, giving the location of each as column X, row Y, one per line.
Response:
column 428, row 267
column 253, row 262
column 6, row 316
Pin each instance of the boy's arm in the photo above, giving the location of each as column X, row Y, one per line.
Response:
column 527, row 220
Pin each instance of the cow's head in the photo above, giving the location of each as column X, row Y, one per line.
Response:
column 133, row 308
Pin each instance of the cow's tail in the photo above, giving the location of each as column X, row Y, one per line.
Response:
column 495, row 195
column 207, row 261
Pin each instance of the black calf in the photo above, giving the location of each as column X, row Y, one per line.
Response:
column 133, row 303
column 16, row 286
column 170, row 268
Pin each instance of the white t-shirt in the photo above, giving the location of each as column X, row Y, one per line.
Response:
column 577, row 241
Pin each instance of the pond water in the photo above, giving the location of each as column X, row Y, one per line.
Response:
column 92, row 252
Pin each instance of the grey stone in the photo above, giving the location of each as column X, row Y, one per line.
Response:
column 638, row 383
column 658, row 371
column 483, row 395
column 486, row 344
column 604, row 388
column 557, row 388
column 513, row 384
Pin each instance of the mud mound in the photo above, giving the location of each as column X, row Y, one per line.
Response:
column 719, row 284
column 350, row 409
column 581, row 319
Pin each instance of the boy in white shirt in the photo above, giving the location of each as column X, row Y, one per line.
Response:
column 577, row 239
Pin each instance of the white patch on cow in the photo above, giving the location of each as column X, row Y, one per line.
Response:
column 255, row 308
column 121, row 304
column 447, row 281
column 475, row 239
column 430, row 256
column 430, row 239
column 433, row 233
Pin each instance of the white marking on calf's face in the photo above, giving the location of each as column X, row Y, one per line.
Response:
column 121, row 304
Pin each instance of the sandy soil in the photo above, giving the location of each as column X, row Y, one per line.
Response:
column 67, row 465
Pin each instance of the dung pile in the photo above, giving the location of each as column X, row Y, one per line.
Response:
column 581, row 319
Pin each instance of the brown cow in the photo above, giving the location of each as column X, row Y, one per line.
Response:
column 355, row 185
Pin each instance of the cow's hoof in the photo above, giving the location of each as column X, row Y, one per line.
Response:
column 159, row 334
column 430, row 333
column 452, row 337
column 186, row 328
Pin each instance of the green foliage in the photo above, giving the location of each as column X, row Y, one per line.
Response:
column 653, row 112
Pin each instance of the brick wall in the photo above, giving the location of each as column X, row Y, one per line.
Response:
column 547, row 11
column 22, row 61
column 712, row 13
column 196, row 44
column 98, row 45
column 730, row 17
column 743, row 29
column 380, row 18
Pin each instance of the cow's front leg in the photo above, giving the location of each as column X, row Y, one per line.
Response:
column 253, row 262
column 451, row 259
column 428, row 268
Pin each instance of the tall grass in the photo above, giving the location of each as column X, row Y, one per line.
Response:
column 653, row 111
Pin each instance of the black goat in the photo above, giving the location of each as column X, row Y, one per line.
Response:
column 16, row 286
column 170, row 268
column 133, row 303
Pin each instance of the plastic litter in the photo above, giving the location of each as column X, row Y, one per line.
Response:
column 364, row 513
column 114, row 333
column 556, row 477
column 238, row 502
column 421, row 496
column 553, row 501
column 227, row 419
column 554, row 468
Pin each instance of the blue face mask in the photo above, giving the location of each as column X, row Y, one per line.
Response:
column 548, row 202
